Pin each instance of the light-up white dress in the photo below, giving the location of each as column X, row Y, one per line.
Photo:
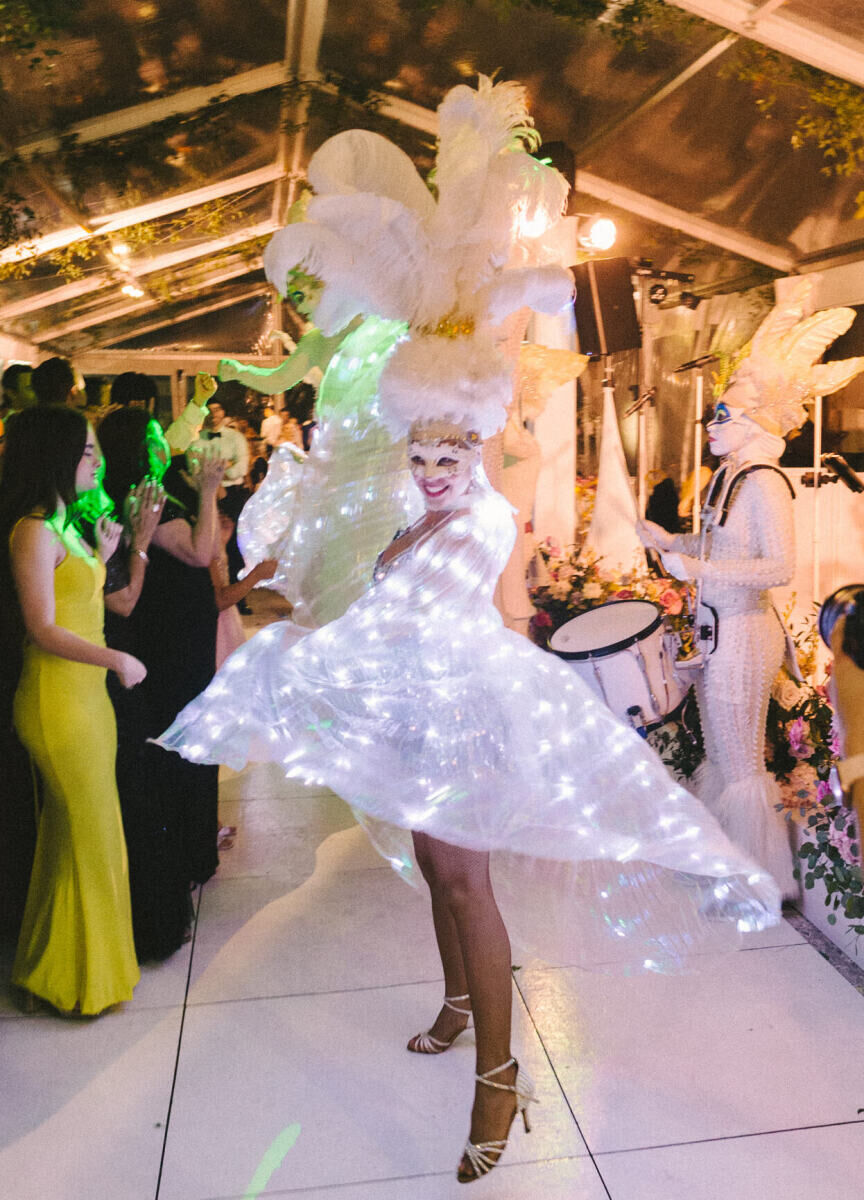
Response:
column 424, row 713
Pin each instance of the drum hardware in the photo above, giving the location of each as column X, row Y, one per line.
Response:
column 706, row 630
column 621, row 650
column 634, row 712
column 648, row 684
column 835, row 469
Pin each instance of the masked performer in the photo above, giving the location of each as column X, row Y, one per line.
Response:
column 324, row 516
column 745, row 548
column 460, row 745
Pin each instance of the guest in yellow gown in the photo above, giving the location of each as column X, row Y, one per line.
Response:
column 75, row 949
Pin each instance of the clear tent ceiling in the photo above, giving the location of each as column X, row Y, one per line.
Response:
column 162, row 145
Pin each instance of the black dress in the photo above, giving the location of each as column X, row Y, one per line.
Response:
column 169, row 805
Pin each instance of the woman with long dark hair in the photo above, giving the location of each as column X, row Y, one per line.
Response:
column 75, row 949
column 169, row 807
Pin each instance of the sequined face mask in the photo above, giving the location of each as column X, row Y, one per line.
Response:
column 442, row 470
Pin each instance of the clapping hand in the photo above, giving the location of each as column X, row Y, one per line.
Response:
column 207, row 468
column 229, row 368
column 144, row 506
column 108, row 534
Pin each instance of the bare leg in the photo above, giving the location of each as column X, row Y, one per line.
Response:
column 448, row 1023
column 461, row 887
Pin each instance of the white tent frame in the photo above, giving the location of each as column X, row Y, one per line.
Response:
column 305, row 19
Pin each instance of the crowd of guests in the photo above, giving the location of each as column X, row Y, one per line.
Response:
column 120, row 570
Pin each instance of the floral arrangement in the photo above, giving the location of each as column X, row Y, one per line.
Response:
column 576, row 584
column 801, row 743
column 802, row 746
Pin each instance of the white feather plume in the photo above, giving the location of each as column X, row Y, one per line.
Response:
column 360, row 161
column 380, row 243
column 464, row 380
column 544, row 289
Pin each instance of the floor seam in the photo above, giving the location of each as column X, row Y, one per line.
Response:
column 372, row 987
column 179, row 1044
column 566, row 1098
column 730, row 1137
column 352, row 1183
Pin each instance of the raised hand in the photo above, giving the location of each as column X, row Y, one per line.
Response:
column 143, row 511
column 265, row 570
column 207, row 468
column 205, row 387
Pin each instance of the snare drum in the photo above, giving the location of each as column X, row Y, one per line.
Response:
column 623, row 652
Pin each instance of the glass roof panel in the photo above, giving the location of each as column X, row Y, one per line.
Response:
column 117, row 53
column 579, row 78
column 844, row 17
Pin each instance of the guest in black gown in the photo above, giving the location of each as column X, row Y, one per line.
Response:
column 169, row 806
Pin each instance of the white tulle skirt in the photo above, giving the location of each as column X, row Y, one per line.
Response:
column 474, row 736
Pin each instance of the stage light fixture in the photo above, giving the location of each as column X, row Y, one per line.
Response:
column 601, row 235
column 657, row 293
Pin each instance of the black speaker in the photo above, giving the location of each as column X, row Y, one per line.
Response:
column 605, row 311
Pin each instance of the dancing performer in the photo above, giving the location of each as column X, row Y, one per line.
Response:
column 746, row 547
column 461, row 746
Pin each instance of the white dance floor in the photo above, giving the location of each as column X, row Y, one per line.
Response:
column 267, row 1058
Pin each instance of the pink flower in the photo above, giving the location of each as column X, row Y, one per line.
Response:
column 799, row 743
column 624, row 594
column 671, row 601
column 542, row 619
column 834, row 743
column 801, row 788
column 842, row 840
column 823, row 790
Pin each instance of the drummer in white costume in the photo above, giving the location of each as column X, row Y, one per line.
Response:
column 440, row 727
column 745, row 548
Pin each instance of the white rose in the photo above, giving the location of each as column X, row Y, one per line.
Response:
column 560, row 589
column 592, row 591
column 787, row 693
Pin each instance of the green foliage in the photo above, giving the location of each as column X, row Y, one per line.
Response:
column 17, row 218
column 831, row 855
column 24, row 24
column 830, row 111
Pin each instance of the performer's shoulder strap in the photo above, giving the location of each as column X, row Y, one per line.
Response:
column 741, row 476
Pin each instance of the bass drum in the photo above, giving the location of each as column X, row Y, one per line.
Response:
column 622, row 650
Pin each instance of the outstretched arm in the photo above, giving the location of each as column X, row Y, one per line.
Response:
column 313, row 350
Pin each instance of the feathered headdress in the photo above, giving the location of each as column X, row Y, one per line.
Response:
column 452, row 267
column 782, row 360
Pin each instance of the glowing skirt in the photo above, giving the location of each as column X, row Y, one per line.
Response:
column 458, row 728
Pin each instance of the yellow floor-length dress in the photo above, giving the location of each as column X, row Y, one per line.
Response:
column 76, row 948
